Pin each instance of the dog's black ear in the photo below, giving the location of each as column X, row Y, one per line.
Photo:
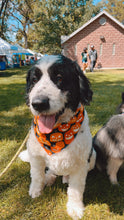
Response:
column 85, row 91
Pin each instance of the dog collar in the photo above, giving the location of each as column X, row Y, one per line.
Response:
column 62, row 134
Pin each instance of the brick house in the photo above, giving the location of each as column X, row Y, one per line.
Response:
column 107, row 35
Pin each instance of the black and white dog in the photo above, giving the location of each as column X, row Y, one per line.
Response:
column 109, row 144
column 60, row 137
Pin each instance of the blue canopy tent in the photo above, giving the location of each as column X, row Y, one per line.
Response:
column 20, row 54
column 26, row 53
column 22, row 50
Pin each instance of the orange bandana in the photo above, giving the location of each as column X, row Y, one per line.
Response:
column 62, row 134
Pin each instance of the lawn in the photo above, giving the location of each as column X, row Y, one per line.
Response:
column 101, row 199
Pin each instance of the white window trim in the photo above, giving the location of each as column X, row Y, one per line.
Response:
column 113, row 49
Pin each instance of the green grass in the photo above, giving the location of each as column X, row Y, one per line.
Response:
column 102, row 200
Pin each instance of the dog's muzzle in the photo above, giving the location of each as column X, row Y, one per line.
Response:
column 41, row 104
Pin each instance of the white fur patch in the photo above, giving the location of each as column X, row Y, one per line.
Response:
column 24, row 156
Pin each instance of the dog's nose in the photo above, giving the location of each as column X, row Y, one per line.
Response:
column 41, row 104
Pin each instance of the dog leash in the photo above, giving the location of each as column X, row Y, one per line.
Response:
column 15, row 156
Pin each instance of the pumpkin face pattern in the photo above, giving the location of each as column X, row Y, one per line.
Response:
column 80, row 118
column 68, row 137
column 56, row 137
column 64, row 127
column 58, row 147
column 75, row 128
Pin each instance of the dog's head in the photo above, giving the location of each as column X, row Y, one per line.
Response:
column 54, row 85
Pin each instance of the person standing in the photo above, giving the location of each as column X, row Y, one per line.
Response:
column 84, row 59
column 92, row 57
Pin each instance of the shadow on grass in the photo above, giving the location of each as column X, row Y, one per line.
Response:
column 100, row 190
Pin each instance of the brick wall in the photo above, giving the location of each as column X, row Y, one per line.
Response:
column 113, row 42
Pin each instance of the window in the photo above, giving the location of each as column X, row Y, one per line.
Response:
column 101, row 47
column 102, row 21
column 113, row 49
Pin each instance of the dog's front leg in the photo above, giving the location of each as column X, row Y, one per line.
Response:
column 37, row 176
column 75, row 192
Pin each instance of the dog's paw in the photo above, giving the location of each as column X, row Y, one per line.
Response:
column 75, row 210
column 34, row 192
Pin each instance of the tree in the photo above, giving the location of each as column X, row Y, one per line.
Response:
column 55, row 18
column 116, row 8
column 4, row 6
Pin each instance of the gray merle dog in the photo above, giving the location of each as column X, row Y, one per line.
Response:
column 109, row 144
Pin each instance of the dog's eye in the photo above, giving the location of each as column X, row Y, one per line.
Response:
column 34, row 79
column 59, row 78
